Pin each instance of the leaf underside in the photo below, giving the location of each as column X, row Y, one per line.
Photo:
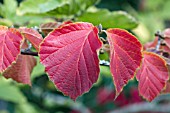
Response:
column 152, row 76
column 125, row 56
column 70, row 58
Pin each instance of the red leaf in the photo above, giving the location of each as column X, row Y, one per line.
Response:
column 21, row 70
column 165, row 48
column 166, row 40
column 167, row 88
column 33, row 36
column 152, row 75
column 167, row 33
column 105, row 96
column 65, row 23
column 10, row 40
column 151, row 44
column 134, row 96
column 48, row 27
column 70, row 58
column 125, row 56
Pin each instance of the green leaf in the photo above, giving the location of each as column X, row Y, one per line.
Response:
column 27, row 108
column 10, row 92
column 30, row 21
column 58, row 8
column 40, row 6
column 115, row 19
column 74, row 7
column 5, row 22
column 8, row 9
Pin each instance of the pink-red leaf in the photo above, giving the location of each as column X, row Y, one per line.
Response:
column 10, row 40
column 20, row 70
column 33, row 36
column 152, row 76
column 125, row 56
column 70, row 58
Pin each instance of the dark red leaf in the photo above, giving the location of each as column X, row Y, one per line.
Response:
column 74, row 111
column 166, row 40
column 65, row 23
column 48, row 27
column 10, row 40
column 151, row 44
column 167, row 33
column 165, row 48
column 70, row 58
column 33, row 36
column 125, row 56
column 105, row 96
column 134, row 96
column 21, row 70
column 167, row 88
column 152, row 75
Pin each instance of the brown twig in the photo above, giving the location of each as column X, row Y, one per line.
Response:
column 29, row 53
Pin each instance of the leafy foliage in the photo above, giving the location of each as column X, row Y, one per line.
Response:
column 10, row 93
column 9, row 17
column 60, row 8
column 20, row 71
column 116, row 19
column 33, row 36
column 79, row 51
column 125, row 56
column 152, row 75
column 69, row 52
column 6, row 11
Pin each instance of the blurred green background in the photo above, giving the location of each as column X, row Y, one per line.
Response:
column 141, row 17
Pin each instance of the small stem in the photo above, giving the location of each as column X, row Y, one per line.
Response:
column 159, row 34
column 36, row 28
column 29, row 53
column 103, row 40
column 100, row 28
column 160, row 38
column 158, row 44
column 104, row 63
